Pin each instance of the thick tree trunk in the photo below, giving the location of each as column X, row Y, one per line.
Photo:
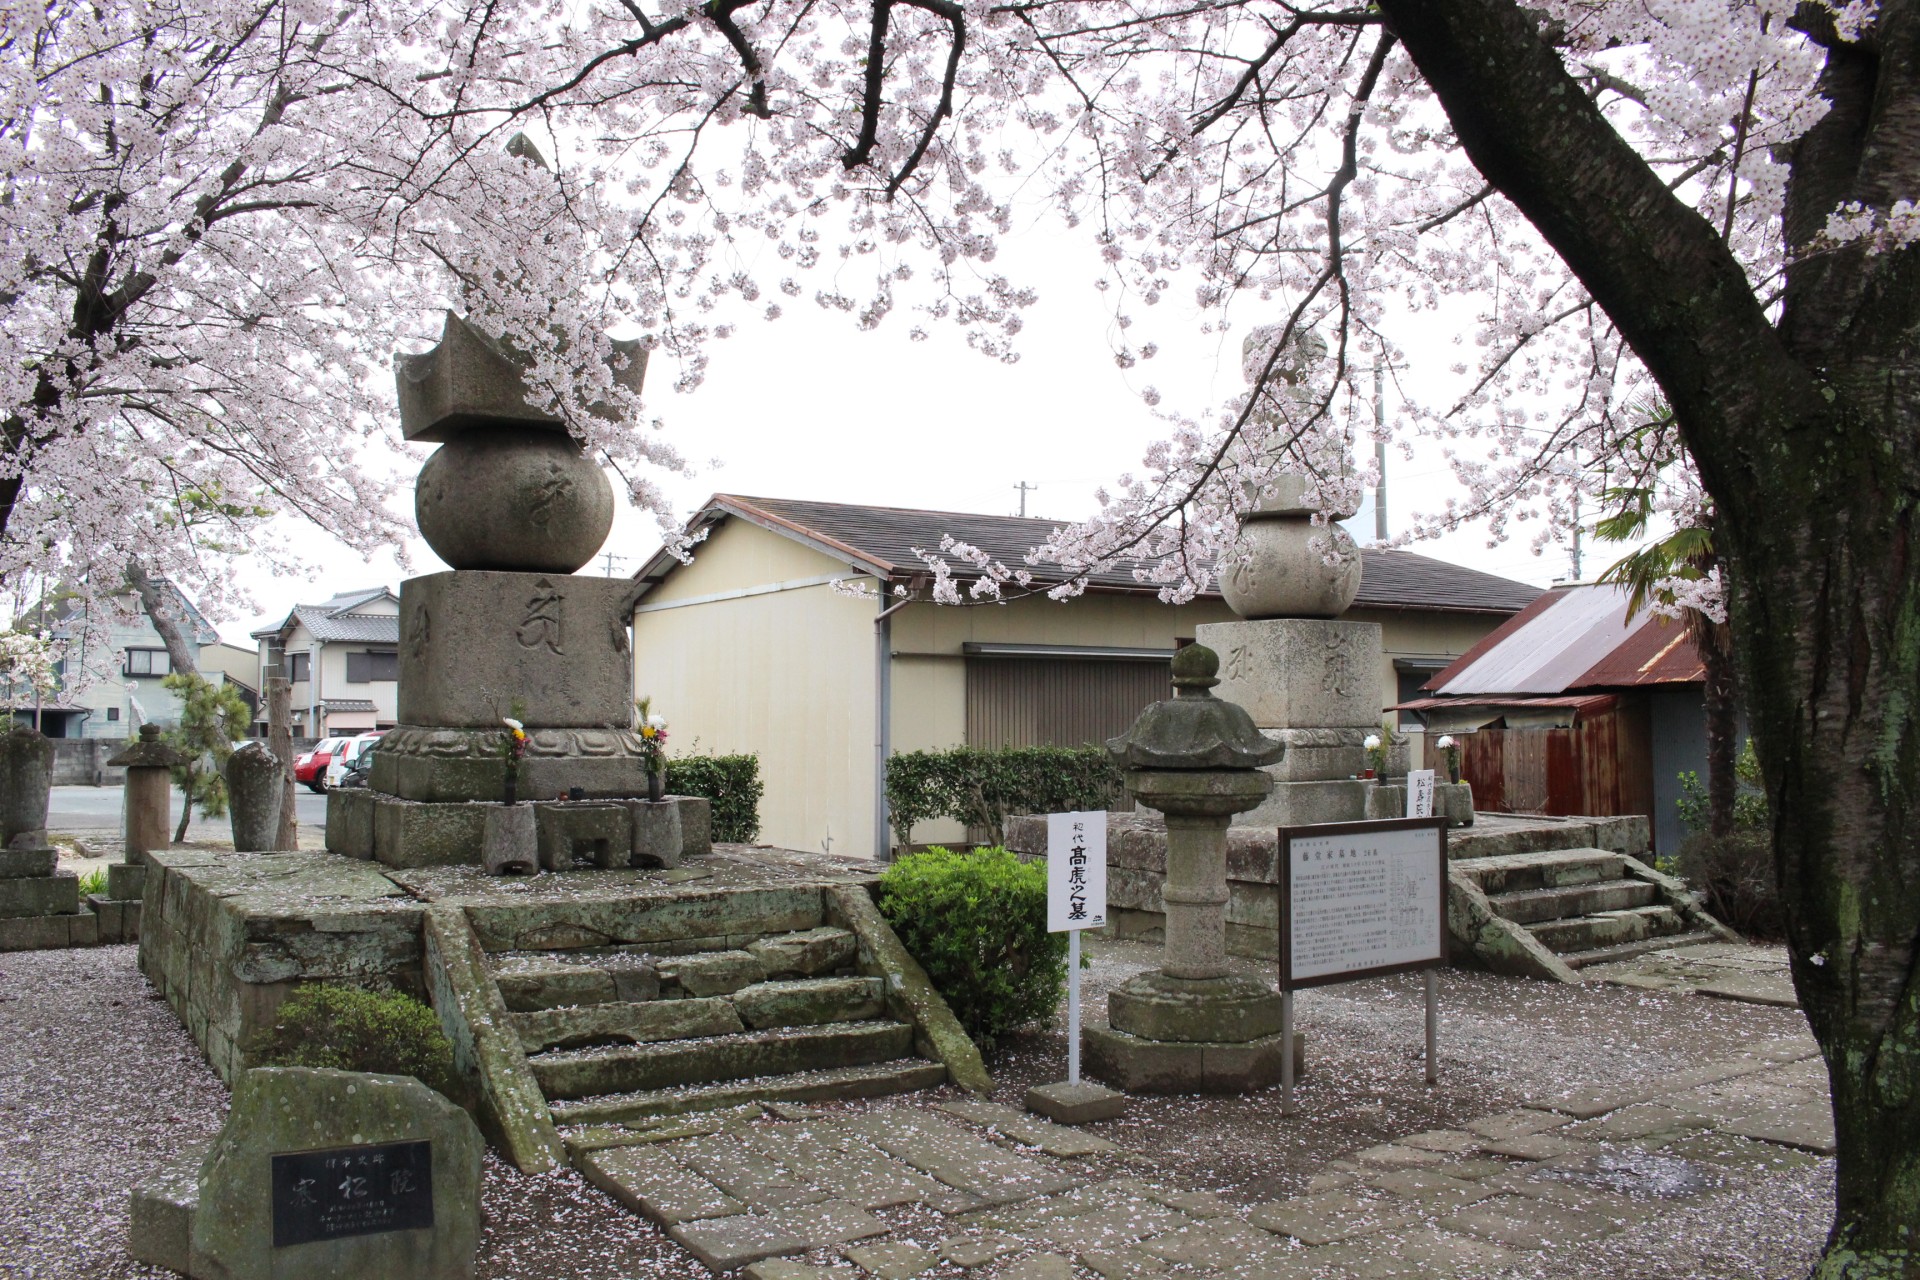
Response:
column 1808, row 437
column 160, row 612
column 1722, row 718
column 280, row 741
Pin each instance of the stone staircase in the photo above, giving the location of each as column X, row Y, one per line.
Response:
column 620, row 1014
column 1538, row 901
column 640, row 1035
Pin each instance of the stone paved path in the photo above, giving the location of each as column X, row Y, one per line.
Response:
column 1008, row 1196
column 1728, row 970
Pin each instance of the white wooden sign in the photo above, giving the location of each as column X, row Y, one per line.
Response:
column 1076, row 871
column 1362, row 898
column 1420, row 793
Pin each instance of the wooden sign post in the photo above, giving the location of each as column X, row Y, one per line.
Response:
column 1076, row 900
column 1358, row 900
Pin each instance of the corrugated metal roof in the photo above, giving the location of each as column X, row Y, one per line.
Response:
column 880, row 540
column 1573, row 638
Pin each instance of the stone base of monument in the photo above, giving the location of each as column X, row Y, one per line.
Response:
column 465, row 764
column 1451, row 800
column 1154, row 1006
column 606, row 833
column 1139, row 1065
column 1081, row 1103
column 40, row 905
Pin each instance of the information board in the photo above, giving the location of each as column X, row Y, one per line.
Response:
column 351, row 1191
column 1359, row 899
column 1076, row 871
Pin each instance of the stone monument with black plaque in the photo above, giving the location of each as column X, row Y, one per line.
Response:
column 512, row 503
column 321, row 1175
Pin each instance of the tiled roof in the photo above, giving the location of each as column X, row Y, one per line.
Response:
column 331, row 628
column 880, row 540
column 335, row 621
column 347, row 704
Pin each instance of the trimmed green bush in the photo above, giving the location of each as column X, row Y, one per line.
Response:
column 348, row 1029
column 977, row 922
column 981, row 787
column 731, row 784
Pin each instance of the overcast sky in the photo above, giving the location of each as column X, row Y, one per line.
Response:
column 807, row 407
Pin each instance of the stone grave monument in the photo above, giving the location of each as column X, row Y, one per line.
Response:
column 1309, row 681
column 1194, row 1026
column 514, row 505
column 256, row 787
column 320, row 1175
column 39, row 904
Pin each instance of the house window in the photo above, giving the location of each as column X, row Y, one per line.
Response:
column 299, row 667
column 374, row 664
column 148, row 662
column 113, row 713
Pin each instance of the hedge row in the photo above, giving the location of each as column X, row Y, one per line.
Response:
column 981, row 787
column 731, row 783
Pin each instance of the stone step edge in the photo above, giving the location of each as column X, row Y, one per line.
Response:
column 717, row 1059
column 1505, row 902
column 1632, row 950
column 872, row 1080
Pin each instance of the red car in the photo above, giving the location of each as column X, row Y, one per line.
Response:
column 310, row 767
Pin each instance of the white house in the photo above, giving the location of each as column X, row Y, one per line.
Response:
column 128, row 661
column 343, row 659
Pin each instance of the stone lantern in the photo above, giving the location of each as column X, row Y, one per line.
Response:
column 1193, row 1026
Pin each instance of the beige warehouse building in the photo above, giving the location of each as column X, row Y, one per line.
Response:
column 751, row 648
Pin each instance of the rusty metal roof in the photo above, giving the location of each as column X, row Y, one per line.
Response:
column 880, row 541
column 1573, row 638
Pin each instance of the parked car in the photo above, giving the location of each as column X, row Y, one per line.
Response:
column 310, row 767
column 350, row 755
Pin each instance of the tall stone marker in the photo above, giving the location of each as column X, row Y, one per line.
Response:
column 322, row 1175
column 256, row 785
column 514, row 506
column 1307, row 680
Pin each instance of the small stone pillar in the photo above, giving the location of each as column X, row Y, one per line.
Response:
column 26, row 780
column 510, row 845
column 1193, row 1027
column 149, row 763
column 255, row 785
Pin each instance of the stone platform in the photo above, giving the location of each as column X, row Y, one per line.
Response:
column 586, row 996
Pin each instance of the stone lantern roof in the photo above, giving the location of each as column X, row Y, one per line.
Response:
column 148, row 752
column 1193, row 729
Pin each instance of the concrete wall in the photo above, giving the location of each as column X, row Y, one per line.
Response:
column 784, row 674
column 82, row 762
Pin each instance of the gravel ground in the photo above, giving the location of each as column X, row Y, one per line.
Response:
column 99, row 1085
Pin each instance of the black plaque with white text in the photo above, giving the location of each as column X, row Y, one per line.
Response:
column 351, row 1191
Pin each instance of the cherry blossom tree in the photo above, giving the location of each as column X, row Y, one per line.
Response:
column 223, row 215
column 1707, row 201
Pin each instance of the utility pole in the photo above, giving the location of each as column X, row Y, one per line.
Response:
column 1576, row 513
column 610, row 558
column 279, row 694
column 1025, row 489
column 1380, row 451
